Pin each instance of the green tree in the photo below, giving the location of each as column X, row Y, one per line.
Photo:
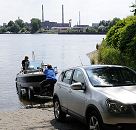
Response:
column 3, row 29
column 120, row 43
column 113, row 22
column 20, row 23
column 35, row 25
column 10, row 23
column 13, row 27
column 104, row 23
column 91, row 30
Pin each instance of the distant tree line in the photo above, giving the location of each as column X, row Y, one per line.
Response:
column 103, row 26
column 19, row 26
column 99, row 28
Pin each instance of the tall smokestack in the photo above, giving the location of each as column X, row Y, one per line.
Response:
column 79, row 17
column 42, row 14
column 62, row 15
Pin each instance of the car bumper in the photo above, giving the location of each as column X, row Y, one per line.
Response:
column 118, row 119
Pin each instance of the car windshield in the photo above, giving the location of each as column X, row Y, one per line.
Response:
column 111, row 76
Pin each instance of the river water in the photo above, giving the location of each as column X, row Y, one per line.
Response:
column 59, row 50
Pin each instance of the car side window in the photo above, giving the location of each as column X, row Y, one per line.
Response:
column 78, row 77
column 67, row 76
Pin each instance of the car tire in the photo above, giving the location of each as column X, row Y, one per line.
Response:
column 94, row 121
column 58, row 113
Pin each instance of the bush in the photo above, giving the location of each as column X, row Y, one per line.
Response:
column 120, row 44
column 109, row 55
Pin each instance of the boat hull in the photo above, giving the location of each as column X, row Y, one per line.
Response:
column 25, row 82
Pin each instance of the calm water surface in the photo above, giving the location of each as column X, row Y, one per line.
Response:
column 59, row 50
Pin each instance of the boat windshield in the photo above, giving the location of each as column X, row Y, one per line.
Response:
column 35, row 65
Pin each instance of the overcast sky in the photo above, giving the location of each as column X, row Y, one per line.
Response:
column 90, row 10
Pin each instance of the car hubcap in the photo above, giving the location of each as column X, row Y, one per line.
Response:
column 56, row 109
column 94, row 124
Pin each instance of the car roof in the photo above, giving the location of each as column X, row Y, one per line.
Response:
column 93, row 67
column 102, row 66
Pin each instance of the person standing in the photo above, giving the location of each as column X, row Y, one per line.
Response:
column 50, row 78
column 50, row 74
column 25, row 63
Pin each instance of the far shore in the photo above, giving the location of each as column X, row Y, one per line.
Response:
column 61, row 33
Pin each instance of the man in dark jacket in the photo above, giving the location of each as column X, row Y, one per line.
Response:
column 25, row 63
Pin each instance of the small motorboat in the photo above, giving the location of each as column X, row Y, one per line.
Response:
column 28, row 82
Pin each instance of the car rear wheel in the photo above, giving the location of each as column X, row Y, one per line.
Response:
column 94, row 121
column 58, row 113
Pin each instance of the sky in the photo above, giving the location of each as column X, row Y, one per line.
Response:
column 91, row 11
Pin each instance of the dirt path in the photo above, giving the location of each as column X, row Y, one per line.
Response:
column 36, row 119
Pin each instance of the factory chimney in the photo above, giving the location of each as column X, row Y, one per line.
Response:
column 42, row 14
column 79, row 17
column 62, row 15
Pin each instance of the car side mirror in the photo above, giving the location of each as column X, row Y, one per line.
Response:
column 77, row 86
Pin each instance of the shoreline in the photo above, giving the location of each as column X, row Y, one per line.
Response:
column 78, row 33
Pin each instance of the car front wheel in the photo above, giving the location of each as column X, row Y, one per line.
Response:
column 58, row 113
column 94, row 121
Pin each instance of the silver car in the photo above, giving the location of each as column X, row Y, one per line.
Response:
column 97, row 94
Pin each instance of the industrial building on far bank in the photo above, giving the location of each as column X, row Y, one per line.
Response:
column 50, row 25
column 62, row 27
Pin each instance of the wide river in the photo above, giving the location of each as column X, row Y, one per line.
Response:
column 59, row 50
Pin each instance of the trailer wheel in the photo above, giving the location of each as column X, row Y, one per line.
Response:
column 19, row 92
column 30, row 93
